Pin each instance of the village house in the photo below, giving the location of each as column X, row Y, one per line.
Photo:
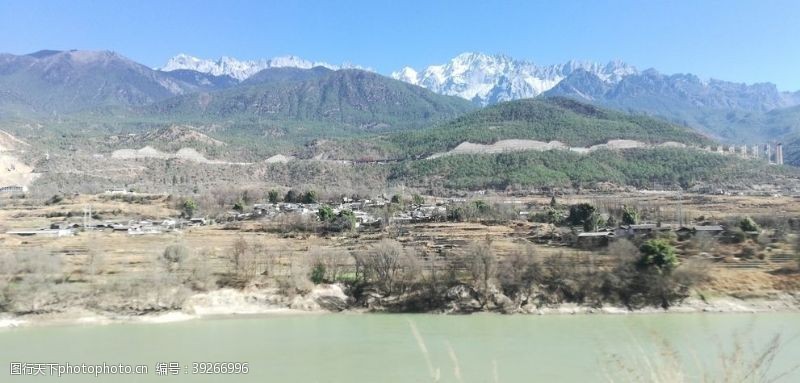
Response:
column 364, row 218
column 13, row 189
column 44, row 232
column 689, row 231
column 402, row 217
column 595, row 239
column 379, row 202
column 428, row 213
column 641, row 229
column 117, row 191
column 63, row 225
column 289, row 207
column 141, row 230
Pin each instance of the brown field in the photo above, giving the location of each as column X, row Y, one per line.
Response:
column 126, row 256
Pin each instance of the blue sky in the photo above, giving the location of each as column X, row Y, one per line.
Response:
column 745, row 41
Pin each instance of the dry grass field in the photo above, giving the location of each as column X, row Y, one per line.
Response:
column 129, row 256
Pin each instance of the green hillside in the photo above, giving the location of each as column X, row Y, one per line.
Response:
column 561, row 119
column 278, row 110
column 349, row 99
column 670, row 167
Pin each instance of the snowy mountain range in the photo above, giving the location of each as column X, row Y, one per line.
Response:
column 718, row 108
column 488, row 79
column 721, row 109
column 242, row 69
column 50, row 82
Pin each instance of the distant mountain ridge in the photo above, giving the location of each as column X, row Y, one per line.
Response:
column 729, row 111
column 716, row 107
column 346, row 97
column 489, row 79
column 243, row 69
column 281, row 102
column 695, row 92
column 51, row 82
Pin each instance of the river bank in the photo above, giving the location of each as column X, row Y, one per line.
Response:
column 326, row 299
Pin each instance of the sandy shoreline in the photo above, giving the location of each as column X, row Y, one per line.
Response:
column 91, row 318
column 228, row 304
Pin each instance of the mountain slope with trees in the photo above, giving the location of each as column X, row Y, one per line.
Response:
column 561, row 119
column 641, row 168
column 350, row 97
column 53, row 83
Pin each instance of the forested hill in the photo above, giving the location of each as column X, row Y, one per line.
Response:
column 690, row 169
column 560, row 119
column 352, row 98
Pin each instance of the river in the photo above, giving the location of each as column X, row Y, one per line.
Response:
column 384, row 348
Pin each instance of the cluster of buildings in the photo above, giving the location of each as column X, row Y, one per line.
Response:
column 603, row 237
column 130, row 227
column 273, row 210
column 363, row 210
column 421, row 213
column 367, row 213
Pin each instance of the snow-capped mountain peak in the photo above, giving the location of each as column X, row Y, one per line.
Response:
column 616, row 70
column 489, row 79
column 238, row 69
column 407, row 74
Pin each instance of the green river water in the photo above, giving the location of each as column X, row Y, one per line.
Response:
column 383, row 348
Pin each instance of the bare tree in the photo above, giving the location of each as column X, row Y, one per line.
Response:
column 9, row 267
column 387, row 265
column 797, row 251
column 561, row 279
column 199, row 275
column 518, row 273
column 482, row 265
column 269, row 257
column 94, row 267
column 299, row 272
column 246, row 260
column 331, row 261
column 35, row 281
column 174, row 256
